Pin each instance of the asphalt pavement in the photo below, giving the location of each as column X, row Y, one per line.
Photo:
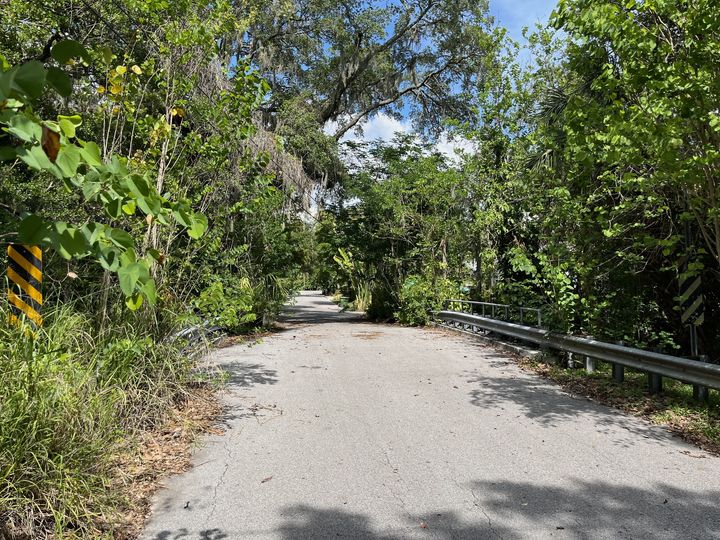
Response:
column 339, row 428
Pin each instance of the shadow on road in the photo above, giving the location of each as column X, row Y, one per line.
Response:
column 586, row 511
column 543, row 403
column 515, row 510
column 247, row 374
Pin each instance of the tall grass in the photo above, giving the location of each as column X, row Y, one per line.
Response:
column 363, row 295
column 70, row 400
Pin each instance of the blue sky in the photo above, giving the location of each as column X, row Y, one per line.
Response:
column 514, row 14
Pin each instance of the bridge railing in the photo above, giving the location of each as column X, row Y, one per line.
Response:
column 506, row 312
column 657, row 365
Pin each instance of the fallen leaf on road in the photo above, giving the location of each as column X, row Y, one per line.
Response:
column 423, row 525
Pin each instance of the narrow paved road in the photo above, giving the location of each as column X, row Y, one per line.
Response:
column 341, row 428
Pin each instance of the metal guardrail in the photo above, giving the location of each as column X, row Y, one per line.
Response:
column 194, row 337
column 665, row 365
column 493, row 309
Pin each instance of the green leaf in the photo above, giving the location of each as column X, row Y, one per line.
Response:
column 90, row 152
column 109, row 259
column 150, row 291
column 129, row 207
column 69, row 242
column 120, row 238
column 198, row 226
column 155, row 254
column 134, row 302
column 60, row 81
column 93, row 231
column 28, row 79
column 68, row 49
column 33, row 230
column 90, row 189
column 182, row 216
column 107, row 54
column 113, row 207
column 129, row 275
column 68, row 124
column 24, row 128
column 68, row 159
column 35, row 158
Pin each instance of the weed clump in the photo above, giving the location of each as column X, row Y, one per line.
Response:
column 72, row 402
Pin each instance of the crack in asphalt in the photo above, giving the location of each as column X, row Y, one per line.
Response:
column 478, row 506
column 219, row 483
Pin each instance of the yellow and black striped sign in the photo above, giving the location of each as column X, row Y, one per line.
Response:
column 25, row 282
column 692, row 307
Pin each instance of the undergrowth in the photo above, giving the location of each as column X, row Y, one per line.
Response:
column 72, row 401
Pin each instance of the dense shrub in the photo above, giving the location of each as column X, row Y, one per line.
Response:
column 420, row 296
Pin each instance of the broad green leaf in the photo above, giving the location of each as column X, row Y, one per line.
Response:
column 113, row 207
column 35, row 158
column 67, row 49
column 68, row 159
column 120, row 238
column 60, row 81
column 33, row 230
column 93, row 231
column 150, row 291
column 134, row 302
column 29, row 79
column 198, row 226
column 68, row 124
column 70, row 242
column 107, row 54
column 128, row 275
column 90, row 189
column 24, row 128
column 90, row 152
column 182, row 216
column 109, row 259
column 129, row 207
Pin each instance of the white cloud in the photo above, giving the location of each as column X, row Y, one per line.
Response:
column 451, row 148
column 381, row 126
column 384, row 127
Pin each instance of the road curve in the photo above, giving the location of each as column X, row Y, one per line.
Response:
column 338, row 428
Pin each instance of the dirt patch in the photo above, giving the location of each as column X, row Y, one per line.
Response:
column 367, row 335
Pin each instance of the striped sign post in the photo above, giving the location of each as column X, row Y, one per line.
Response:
column 24, row 274
column 692, row 314
column 692, row 308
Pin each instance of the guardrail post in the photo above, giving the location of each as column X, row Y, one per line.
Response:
column 654, row 383
column 590, row 363
column 700, row 393
column 618, row 371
